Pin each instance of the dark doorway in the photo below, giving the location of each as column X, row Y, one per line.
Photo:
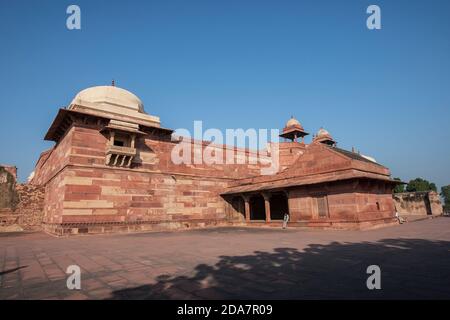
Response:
column 428, row 205
column 257, row 208
column 239, row 206
column 278, row 206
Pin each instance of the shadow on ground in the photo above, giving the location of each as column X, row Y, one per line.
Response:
column 12, row 270
column 410, row 268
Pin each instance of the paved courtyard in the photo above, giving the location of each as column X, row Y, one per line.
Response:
column 231, row 263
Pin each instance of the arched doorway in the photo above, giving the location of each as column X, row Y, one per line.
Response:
column 238, row 205
column 257, row 208
column 278, row 206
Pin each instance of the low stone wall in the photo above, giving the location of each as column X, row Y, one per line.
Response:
column 418, row 203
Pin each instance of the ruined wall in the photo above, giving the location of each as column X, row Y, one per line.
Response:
column 20, row 204
column 30, row 208
column 435, row 203
column 418, row 203
column 8, row 193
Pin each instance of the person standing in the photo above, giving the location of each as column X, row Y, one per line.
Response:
column 285, row 220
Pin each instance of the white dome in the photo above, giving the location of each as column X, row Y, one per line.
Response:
column 322, row 132
column 104, row 96
column 292, row 122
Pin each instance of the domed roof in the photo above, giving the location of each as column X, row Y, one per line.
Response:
column 293, row 130
column 293, row 122
column 113, row 103
column 323, row 133
column 325, row 137
column 109, row 95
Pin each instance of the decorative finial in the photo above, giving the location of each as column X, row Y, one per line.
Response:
column 113, row 83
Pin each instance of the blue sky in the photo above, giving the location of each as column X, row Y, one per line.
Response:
column 239, row 64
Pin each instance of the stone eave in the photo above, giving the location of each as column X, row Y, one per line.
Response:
column 291, row 131
column 122, row 129
column 349, row 174
column 64, row 115
column 139, row 118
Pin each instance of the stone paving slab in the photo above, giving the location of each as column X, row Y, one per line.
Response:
column 231, row 263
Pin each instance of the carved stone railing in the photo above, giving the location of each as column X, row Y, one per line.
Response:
column 119, row 156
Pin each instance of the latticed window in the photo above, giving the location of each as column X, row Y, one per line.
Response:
column 322, row 206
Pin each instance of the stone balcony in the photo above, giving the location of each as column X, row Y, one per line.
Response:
column 119, row 156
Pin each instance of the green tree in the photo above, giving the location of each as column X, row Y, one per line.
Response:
column 399, row 188
column 419, row 184
column 445, row 193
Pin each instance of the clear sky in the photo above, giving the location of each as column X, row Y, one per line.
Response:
column 239, row 64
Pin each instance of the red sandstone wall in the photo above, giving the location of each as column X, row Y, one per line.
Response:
column 115, row 195
column 88, row 147
column 53, row 160
column 154, row 190
column 374, row 201
column 54, row 197
column 350, row 204
column 289, row 152
column 340, row 198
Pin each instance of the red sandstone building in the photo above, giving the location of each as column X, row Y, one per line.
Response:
column 111, row 170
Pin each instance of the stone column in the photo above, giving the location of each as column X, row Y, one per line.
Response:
column 267, row 205
column 111, row 138
column 247, row 207
column 133, row 139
